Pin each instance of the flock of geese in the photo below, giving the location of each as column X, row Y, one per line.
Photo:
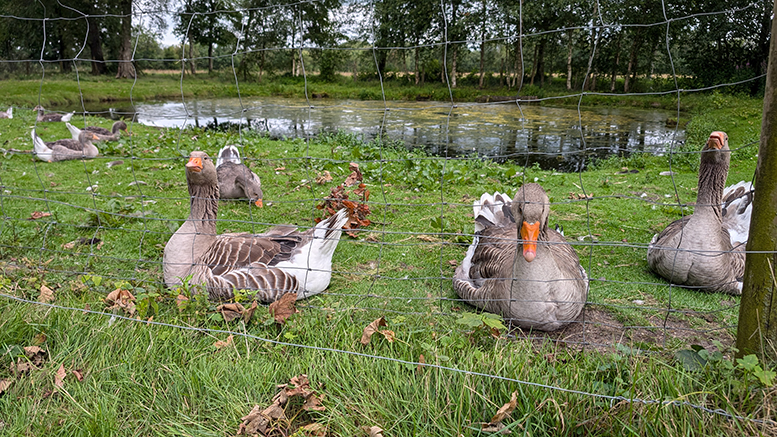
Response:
column 517, row 265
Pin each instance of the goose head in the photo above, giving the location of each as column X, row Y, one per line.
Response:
column 716, row 150
column 119, row 125
column 200, row 169
column 87, row 137
column 531, row 208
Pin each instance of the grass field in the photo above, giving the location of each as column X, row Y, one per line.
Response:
column 161, row 371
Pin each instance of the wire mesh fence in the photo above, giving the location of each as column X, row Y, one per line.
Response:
column 103, row 223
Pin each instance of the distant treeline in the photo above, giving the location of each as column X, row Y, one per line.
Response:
column 625, row 45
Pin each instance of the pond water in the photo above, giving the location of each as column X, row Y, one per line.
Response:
column 554, row 137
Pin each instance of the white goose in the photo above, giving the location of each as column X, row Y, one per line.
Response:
column 236, row 180
column 696, row 251
column 534, row 281
column 278, row 261
column 736, row 209
column 65, row 149
column 7, row 114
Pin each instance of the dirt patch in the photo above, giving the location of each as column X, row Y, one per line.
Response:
column 599, row 330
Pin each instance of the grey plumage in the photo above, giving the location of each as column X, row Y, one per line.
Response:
column 236, row 180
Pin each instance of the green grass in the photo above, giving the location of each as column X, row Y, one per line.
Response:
column 152, row 379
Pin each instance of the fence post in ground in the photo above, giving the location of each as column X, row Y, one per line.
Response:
column 757, row 330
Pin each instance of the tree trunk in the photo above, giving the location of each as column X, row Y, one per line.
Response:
column 569, row 63
column 64, row 66
column 454, row 66
column 416, row 70
column 632, row 59
column 534, row 65
column 192, row 65
column 210, row 57
column 126, row 69
column 482, row 46
column 614, row 73
column 541, row 63
column 757, row 328
column 95, row 46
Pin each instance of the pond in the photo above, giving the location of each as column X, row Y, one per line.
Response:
column 558, row 138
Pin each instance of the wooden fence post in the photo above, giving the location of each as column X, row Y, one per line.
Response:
column 757, row 330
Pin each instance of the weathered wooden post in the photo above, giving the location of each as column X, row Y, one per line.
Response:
column 757, row 329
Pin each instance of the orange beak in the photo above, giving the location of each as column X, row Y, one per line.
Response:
column 259, row 203
column 194, row 164
column 529, row 235
column 716, row 140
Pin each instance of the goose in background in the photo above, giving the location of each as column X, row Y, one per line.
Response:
column 236, row 180
column 101, row 132
column 66, row 149
column 696, row 251
column 736, row 209
column 7, row 114
column 276, row 262
column 520, row 268
column 51, row 116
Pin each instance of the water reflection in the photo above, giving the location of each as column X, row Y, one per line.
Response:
column 555, row 138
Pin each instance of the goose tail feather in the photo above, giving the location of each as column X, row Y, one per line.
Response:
column 228, row 153
column 42, row 151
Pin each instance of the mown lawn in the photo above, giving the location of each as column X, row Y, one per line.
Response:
column 160, row 370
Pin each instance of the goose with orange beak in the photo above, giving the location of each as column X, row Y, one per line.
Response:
column 698, row 250
column 281, row 260
column 518, row 267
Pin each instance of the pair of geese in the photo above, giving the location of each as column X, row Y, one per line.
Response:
column 516, row 266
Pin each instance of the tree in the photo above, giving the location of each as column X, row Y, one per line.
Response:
column 126, row 69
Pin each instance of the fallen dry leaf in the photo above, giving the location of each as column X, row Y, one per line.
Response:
column 388, row 335
column 4, row 384
column 505, row 411
column 274, row 417
column 324, row 178
column 314, row 429
column 373, row 431
column 78, row 374
column 121, row 299
column 249, row 312
column 371, row 329
column 181, row 301
column 230, row 311
column 38, row 214
column 284, row 307
column 221, row 344
column 39, row 339
column 59, row 377
column 355, row 176
column 46, row 295
column 34, row 359
column 421, row 361
column 428, row 238
column 96, row 242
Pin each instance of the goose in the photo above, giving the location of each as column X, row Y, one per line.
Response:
column 101, row 132
column 736, row 209
column 535, row 281
column 63, row 150
column 278, row 261
column 236, row 180
column 7, row 114
column 51, row 116
column 696, row 251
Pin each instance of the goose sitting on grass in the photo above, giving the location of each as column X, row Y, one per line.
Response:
column 7, row 114
column 696, row 251
column 51, row 116
column 236, row 180
column 279, row 261
column 520, row 268
column 737, row 208
column 66, row 149
column 101, row 132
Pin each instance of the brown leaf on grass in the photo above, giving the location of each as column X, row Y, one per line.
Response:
column 221, row 344
column 314, row 429
column 324, row 178
column 59, row 377
column 421, row 361
column 46, row 295
column 121, row 299
column 371, row 329
column 249, row 312
column 373, row 431
column 230, row 311
column 355, row 176
column 505, row 411
column 284, row 307
column 181, row 301
column 34, row 359
column 428, row 238
column 4, row 384
column 96, row 242
column 39, row 339
column 453, row 263
column 496, row 428
column 274, row 417
column 38, row 214
column 78, row 373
